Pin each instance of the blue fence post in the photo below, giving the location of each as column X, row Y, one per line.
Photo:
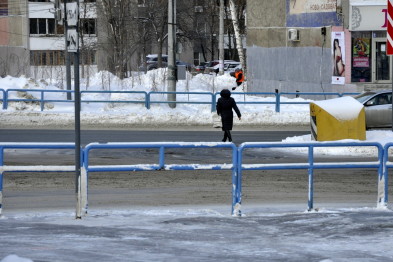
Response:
column 5, row 103
column 277, row 102
column 146, row 104
column 383, row 177
column 237, row 184
column 214, row 97
column 148, row 100
column 162, row 158
column 310, row 178
column 4, row 98
column 42, row 101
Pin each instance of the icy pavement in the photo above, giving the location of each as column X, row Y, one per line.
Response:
column 283, row 233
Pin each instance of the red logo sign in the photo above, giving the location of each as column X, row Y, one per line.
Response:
column 389, row 40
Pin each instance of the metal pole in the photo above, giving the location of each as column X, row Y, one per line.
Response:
column 67, row 55
column 171, row 52
column 77, row 128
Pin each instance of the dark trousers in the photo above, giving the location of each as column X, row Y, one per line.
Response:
column 227, row 135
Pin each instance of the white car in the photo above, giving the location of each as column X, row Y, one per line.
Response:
column 378, row 108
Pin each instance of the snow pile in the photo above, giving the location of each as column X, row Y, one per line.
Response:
column 136, row 114
column 342, row 108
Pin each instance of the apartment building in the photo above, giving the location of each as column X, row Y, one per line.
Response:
column 32, row 42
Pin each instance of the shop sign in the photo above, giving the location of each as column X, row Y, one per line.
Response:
column 368, row 17
column 311, row 6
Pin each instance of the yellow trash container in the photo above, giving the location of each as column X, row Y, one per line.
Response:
column 336, row 119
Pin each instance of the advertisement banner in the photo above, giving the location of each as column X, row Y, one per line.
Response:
column 338, row 56
column 361, row 52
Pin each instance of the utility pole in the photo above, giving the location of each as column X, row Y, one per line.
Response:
column 221, row 39
column 171, row 52
column 67, row 55
column 72, row 46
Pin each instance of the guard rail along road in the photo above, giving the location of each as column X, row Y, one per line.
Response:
column 234, row 164
column 149, row 98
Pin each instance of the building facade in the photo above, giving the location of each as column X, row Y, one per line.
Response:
column 317, row 45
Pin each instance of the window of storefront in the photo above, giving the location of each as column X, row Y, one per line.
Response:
column 370, row 63
column 361, row 57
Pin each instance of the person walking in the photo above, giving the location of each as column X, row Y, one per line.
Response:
column 239, row 76
column 224, row 107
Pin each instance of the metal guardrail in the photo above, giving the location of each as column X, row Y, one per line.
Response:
column 144, row 101
column 36, row 168
column 311, row 165
column 161, row 165
column 382, row 164
column 148, row 101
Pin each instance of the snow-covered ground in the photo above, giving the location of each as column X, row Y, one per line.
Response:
column 159, row 115
column 201, row 233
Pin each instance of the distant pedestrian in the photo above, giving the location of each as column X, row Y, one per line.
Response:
column 224, row 107
column 238, row 74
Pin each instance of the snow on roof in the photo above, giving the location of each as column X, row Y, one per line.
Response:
column 342, row 108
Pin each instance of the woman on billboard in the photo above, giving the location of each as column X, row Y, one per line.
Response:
column 339, row 67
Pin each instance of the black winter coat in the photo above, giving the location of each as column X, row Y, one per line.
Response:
column 224, row 107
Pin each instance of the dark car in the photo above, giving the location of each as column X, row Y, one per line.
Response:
column 378, row 108
column 152, row 63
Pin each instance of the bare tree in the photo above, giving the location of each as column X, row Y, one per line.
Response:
column 236, row 27
column 120, row 41
column 153, row 17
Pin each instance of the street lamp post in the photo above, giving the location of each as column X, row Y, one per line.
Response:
column 171, row 52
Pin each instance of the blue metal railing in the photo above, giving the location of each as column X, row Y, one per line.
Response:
column 144, row 101
column 381, row 163
column 311, row 164
column 41, row 100
column 38, row 168
column 150, row 101
column 161, row 165
column 146, row 97
column 384, row 180
column 3, row 97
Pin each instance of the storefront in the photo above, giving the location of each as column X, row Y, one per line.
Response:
column 368, row 24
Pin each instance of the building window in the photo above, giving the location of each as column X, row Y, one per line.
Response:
column 45, row 26
column 89, row 57
column 56, row 57
column 88, row 26
column 47, row 57
column 3, row 7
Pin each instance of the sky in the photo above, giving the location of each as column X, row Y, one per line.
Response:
column 335, row 234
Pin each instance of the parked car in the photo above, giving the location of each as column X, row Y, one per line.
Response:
column 232, row 66
column 213, row 66
column 152, row 62
column 378, row 108
column 200, row 68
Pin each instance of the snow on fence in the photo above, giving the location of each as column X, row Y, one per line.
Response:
column 312, row 164
column 382, row 163
column 146, row 97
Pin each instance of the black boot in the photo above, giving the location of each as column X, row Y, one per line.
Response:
column 229, row 136
column 225, row 136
